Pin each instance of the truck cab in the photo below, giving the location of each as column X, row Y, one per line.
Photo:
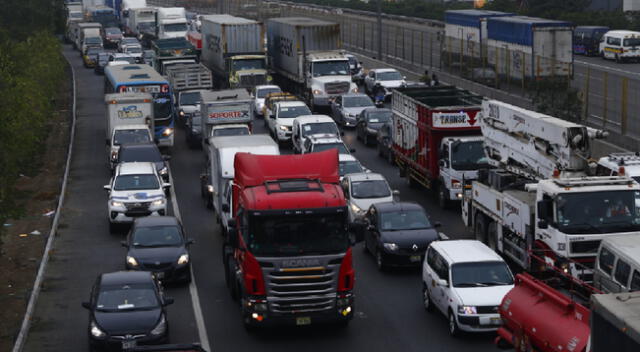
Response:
column 328, row 76
column 171, row 22
column 247, row 71
column 460, row 160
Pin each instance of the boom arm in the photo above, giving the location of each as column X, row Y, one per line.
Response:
column 533, row 144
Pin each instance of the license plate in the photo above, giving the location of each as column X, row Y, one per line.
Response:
column 303, row 321
column 415, row 258
column 127, row 345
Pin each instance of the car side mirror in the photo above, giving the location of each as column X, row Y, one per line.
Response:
column 124, row 244
column 86, row 305
column 107, row 187
column 404, row 77
column 437, row 224
column 167, row 301
column 166, row 157
column 442, row 282
column 225, row 207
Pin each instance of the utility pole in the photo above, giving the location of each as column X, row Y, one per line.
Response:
column 379, row 10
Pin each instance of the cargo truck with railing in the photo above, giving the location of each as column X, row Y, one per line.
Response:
column 288, row 255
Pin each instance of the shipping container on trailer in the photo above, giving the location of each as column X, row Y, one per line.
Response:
column 467, row 29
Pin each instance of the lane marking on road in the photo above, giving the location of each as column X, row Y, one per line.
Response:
column 193, row 288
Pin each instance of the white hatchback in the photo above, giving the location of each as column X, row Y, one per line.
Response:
column 466, row 281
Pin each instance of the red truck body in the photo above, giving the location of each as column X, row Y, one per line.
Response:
column 539, row 317
column 290, row 258
column 422, row 117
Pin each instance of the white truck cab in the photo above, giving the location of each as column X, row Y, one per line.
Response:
column 281, row 121
column 329, row 77
column 460, row 159
column 307, row 125
column 135, row 190
column 171, row 22
column 614, row 163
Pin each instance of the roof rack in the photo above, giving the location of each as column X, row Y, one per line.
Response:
column 294, row 185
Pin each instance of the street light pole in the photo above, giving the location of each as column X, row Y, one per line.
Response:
column 379, row 10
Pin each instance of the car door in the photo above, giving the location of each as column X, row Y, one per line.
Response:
column 439, row 292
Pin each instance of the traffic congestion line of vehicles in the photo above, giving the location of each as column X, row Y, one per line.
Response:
column 289, row 222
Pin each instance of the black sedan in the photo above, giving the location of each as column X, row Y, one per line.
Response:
column 398, row 233
column 158, row 244
column 369, row 122
column 127, row 309
column 145, row 152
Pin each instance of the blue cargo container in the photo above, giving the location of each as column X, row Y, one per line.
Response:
column 467, row 29
column 529, row 47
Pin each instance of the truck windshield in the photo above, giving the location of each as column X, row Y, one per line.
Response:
column 131, row 137
column 598, row 212
column 480, row 274
column 319, row 128
column 146, row 27
column 287, row 235
column 162, row 107
column 136, row 182
column 93, row 40
column 330, row 68
column 468, row 156
column 175, row 27
column 248, row 64
column 190, row 98
column 290, row 112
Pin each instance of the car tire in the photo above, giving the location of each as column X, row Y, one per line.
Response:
column 380, row 260
column 454, row 330
column 426, row 298
column 443, row 200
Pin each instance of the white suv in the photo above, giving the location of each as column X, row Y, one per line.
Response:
column 135, row 190
column 465, row 280
column 281, row 122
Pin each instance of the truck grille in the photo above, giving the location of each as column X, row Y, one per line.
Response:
column 337, row 87
column 252, row 80
column 300, row 290
column 137, row 209
column 585, row 246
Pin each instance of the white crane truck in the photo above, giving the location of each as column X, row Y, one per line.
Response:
column 541, row 198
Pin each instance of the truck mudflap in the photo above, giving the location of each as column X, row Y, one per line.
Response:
column 536, row 316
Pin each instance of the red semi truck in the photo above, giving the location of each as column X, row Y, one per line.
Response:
column 436, row 138
column 288, row 253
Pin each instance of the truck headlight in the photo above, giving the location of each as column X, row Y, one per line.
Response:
column 184, row 259
column 390, row 246
column 160, row 328
column 158, row 203
column 356, row 209
column 284, row 128
column 317, row 92
column 467, row 310
column 181, row 113
column 132, row 261
column 210, row 188
column 96, row 331
column 115, row 203
column 233, row 79
column 167, row 131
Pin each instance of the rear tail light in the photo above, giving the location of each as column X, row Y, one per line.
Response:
column 346, row 277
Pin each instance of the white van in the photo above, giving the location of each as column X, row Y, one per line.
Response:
column 620, row 46
column 307, row 125
column 618, row 264
column 466, row 281
column 611, row 165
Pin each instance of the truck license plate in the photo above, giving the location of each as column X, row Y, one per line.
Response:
column 415, row 258
column 303, row 321
column 127, row 345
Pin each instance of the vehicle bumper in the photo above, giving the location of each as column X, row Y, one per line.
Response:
column 349, row 121
column 114, row 343
column 118, row 215
column 260, row 318
column 479, row 322
column 172, row 273
column 283, row 136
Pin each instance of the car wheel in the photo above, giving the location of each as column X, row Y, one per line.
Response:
column 380, row 260
column 443, row 199
column 453, row 325
column 426, row 298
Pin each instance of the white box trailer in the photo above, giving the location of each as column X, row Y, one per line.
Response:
column 467, row 30
column 530, row 48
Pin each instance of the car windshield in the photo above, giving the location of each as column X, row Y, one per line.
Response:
column 379, row 117
column 262, row 93
column 330, row 68
column 136, row 182
column 389, row 76
column 131, row 136
column 598, row 212
column 127, row 297
column 468, row 156
column 370, row 189
column 175, row 27
column 112, row 31
column 231, row 131
column 288, row 235
column 632, row 42
column 319, row 128
column 248, row 64
column 93, row 40
column 328, row 146
column 357, row 102
column 147, row 154
column 481, row 274
column 290, row 112
column 350, row 167
column 190, row 98
column 404, row 220
column 156, row 236
column 133, row 49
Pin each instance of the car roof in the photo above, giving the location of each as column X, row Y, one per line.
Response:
column 135, row 168
column 366, row 176
column 126, row 277
column 384, row 207
column 465, row 251
column 313, row 118
column 378, row 70
column 156, row 221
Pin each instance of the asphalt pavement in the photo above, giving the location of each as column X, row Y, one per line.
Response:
column 389, row 313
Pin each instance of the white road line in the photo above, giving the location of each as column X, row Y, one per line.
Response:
column 606, row 68
column 193, row 288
